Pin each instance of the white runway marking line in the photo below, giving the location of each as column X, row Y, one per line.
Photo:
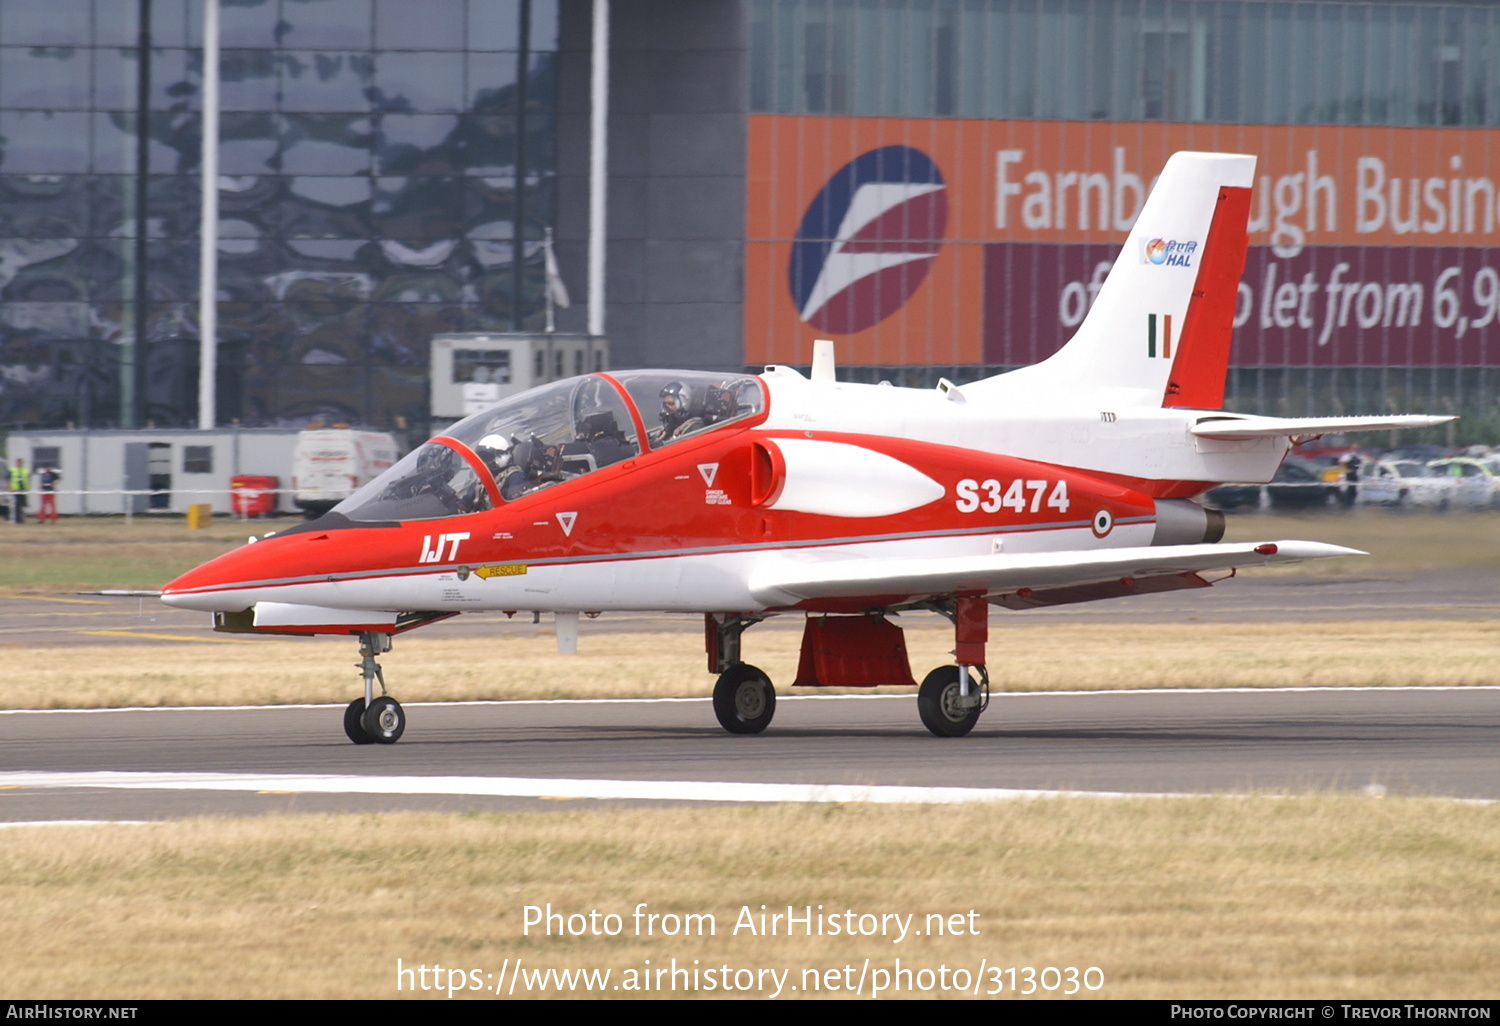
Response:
column 563, row 788
column 78, row 822
column 528, row 787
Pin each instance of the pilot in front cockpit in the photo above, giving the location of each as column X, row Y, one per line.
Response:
column 498, row 454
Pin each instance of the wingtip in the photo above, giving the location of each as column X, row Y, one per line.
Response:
column 1292, row 549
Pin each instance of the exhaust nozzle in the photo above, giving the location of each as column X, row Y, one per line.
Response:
column 1184, row 522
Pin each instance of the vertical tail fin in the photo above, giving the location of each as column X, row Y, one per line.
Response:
column 1162, row 322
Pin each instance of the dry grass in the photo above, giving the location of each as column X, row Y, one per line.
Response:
column 1399, row 544
column 1060, row 657
column 1328, row 897
column 82, row 553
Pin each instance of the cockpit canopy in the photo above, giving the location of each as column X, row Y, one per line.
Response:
column 550, row 434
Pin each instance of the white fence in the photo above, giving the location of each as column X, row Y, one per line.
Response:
column 126, row 502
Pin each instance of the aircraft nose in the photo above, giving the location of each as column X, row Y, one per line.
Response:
column 216, row 586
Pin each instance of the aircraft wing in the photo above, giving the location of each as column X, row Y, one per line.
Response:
column 1232, row 427
column 1090, row 573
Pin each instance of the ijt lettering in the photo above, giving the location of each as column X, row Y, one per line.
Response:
column 432, row 552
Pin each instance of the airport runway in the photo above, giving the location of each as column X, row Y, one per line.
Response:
column 1430, row 741
column 470, row 756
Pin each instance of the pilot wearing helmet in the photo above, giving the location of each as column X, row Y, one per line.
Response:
column 685, row 409
column 498, row 454
column 678, row 416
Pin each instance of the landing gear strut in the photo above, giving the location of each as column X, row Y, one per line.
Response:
column 372, row 720
column 951, row 698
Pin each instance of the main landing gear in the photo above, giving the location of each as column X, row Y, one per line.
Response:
column 744, row 700
column 371, row 720
column 865, row 650
column 950, row 700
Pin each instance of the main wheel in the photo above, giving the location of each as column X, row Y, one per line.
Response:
column 352, row 725
column 384, row 720
column 937, row 703
column 744, row 700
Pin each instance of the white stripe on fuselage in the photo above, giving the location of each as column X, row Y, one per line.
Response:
column 713, row 580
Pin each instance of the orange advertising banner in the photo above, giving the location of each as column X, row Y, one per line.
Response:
column 921, row 242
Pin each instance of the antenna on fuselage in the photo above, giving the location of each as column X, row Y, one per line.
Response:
column 822, row 365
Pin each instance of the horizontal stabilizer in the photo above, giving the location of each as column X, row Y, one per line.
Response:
column 786, row 583
column 1232, row 427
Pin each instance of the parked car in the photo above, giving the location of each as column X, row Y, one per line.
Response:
column 330, row 464
column 1300, row 484
column 1234, row 496
column 1420, row 453
column 1475, row 482
column 1403, row 483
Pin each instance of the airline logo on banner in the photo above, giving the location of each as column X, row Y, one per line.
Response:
column 922, row 242
column 868, row 239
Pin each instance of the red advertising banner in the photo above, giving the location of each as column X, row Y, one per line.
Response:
column 926, row 241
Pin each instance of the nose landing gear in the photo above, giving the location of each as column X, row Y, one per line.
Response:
column 372, row 720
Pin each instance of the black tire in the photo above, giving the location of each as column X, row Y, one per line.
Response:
column 744, row 700
column 935, row 703
column 384, row 721
column 353, row 726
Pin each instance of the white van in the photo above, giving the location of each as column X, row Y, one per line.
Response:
column 330, row 463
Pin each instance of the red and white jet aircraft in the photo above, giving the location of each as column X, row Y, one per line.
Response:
column 740, row 497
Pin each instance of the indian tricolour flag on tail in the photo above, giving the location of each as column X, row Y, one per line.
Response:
column 1159, row 336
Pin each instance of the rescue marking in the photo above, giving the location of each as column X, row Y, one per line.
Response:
column 500, row 570
column 709, row 472
column 565, row 521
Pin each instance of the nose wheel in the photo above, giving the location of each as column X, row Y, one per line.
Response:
column 354, row 723
column 371, row 720
column 384, row 720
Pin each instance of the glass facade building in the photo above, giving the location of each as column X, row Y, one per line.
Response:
column 1279, row 63
column 1373, row 281
column 387, row 171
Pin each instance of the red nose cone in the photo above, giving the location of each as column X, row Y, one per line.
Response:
column 213, row 586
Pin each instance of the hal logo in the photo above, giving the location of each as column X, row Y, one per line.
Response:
column 1169, row 252
column 868, row 239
